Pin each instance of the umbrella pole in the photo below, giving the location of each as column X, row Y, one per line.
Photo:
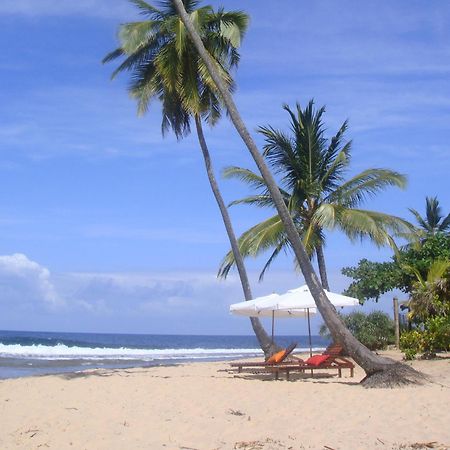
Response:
column 273, row 322
column 309, row 332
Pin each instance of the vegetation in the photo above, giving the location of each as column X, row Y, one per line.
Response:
column 373, row 279
column 429, row 309
column 433, row 336
column 421, row 270
column 374, row 330
column 165, row 65
column 379, row 371
column 312, row 171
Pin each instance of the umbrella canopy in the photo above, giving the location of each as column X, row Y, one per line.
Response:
column 267, row 306
column 301, row 299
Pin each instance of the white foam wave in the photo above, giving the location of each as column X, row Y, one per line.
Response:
column 61, row 351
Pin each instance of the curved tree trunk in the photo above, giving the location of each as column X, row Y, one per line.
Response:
column 379, row 371
column 264, row 340
column 322, row 267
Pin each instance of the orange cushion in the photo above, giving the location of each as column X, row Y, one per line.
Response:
column 317, row 360
column 276, row 357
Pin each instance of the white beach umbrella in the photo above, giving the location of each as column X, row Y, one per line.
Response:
column 267, row 306
column 302, row 299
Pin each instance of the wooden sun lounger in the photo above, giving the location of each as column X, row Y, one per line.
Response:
column 334, row 362
column 286, row 359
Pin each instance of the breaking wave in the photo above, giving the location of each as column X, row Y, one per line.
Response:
column 62, row 351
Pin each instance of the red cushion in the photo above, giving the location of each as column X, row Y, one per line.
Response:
column 276, row 357
column 317, row 360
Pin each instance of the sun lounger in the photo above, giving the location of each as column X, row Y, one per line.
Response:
column 280, row 358
column 330, row 359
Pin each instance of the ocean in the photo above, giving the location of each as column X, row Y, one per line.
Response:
column 28, row 353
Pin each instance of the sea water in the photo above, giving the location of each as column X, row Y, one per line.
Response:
column 26, row 353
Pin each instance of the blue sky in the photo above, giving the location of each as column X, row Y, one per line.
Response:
column 106, row 226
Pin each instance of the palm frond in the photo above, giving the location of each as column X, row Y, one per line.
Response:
column 281, row 246
column 245, row 175
column 117, row 53
column 255, row 241
column 261, row 201
column 365, row 184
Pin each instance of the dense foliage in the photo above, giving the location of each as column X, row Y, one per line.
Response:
column 373, row 279
column 432, row 337
column 422, row 271
column 374, row 330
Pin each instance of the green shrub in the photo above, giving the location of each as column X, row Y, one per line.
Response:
column 434, row 336
column 437, row 334
column 411, row 343
column 374, row 330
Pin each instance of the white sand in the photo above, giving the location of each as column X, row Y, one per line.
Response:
column 202, row 406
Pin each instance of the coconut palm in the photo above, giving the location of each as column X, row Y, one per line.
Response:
column 379, row 371
column 312, row 172
column 165, row 65
column 434, row 221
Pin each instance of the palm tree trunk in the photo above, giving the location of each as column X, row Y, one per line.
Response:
column 379, row 371
column 264, row 340
column 322, row 267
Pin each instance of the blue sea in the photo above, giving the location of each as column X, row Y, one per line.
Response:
column 26, row 353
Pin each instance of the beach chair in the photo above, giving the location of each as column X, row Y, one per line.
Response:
column 277, row 359
column 330, row 359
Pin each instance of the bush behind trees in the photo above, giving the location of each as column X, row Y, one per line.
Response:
column 375, row 330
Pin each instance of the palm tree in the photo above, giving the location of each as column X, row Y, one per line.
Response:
column 314, row 189
column 165, row 65
column 434, row 221
column 379, row 371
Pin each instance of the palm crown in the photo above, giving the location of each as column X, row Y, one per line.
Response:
column 434, row 221
column 166, row 66
column 312, row 176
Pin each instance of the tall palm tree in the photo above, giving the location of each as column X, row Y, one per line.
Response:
column 165, row 65
column 434, row 221
column 312, row 171
column 379, row 371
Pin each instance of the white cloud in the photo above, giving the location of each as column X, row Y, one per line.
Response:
column 166, row 303
column 26, row 282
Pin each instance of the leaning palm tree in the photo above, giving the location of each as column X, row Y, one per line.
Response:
column 165, row 65
column 434, row 221
column 312, row 171
column 379, row 371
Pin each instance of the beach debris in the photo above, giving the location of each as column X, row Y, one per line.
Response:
column 267, row 444
column 424, row 446
column 33, row 432
column 235, row 412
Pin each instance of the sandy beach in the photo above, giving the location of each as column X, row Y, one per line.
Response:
column 205, row 406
